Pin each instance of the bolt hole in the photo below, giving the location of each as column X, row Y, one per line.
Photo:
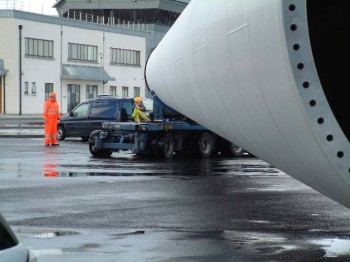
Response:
column 329, row 138
column 306, row 84
column 296, row 47
column 320, row 120
column 312, row 103
column 300, row 66
column 292, row 8
column 293, row 27
column 340, row 154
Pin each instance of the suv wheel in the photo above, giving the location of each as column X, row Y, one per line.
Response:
column 61, row 134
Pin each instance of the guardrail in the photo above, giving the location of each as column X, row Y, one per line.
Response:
column 105, row 20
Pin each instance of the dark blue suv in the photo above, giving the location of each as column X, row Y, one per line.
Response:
column 89, row 115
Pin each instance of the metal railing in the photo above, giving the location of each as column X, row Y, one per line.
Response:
column 105, row 20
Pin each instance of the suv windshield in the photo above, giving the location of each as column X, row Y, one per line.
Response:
column 81, row 110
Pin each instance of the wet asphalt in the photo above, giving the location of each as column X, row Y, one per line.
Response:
column 65, row 205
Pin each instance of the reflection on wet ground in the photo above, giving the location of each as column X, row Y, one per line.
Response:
column 198, row 167
column 230, row 209
column 218, row 245
column 50, row 170
column 334, row 247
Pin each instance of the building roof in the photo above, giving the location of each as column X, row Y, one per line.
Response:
column 78, row 72
column 169, row 5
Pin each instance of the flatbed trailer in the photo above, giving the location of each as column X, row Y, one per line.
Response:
column 169, row 133
column 160, row 139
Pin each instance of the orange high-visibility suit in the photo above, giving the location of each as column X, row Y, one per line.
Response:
column 51, row 115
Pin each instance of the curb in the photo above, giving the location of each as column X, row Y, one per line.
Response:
column 21, row 136
column 20, row 127
column 23, row 132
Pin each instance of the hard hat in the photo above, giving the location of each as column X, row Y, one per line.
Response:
column 137, row 99
column 53, row 94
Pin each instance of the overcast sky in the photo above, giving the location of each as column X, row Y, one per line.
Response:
column 39, row 6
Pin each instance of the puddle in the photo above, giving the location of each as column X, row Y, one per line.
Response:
column 194, row 169
column 119, row 174
column 139, row 232
column 128, row 173
column 69, row 251
column 56, row 234
column 334, row 247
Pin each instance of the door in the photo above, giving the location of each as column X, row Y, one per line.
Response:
column 77, row 122
column 73, row 96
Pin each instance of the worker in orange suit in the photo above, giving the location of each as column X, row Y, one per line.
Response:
column 51, row 115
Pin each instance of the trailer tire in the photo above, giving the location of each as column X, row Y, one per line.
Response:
column 97, row 152
column 231, row 149
column 168, row 146
column 205, row 145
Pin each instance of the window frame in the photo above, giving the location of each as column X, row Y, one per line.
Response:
column 82, row 52
column 125, row 91
column 26, row 88
column 33, row 88
column 127, row 57
column 39, row 48
column 48, row 90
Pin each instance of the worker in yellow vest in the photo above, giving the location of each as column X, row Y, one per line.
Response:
column 139, row 111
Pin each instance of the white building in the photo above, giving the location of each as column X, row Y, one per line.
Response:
column 75, row 59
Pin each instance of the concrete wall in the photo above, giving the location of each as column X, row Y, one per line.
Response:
column 44, row 70
column 39, row 70
column 9, row 50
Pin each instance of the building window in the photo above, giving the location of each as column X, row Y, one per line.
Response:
column 113, row 90
column 48, row 90
column 33, row 88
column 38, row 47
column 137, row 91
column 26, row 88
column 125, row 91
column 91, row 91
column 82, row 52
column 125, row 57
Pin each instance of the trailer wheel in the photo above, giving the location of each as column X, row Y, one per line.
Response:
column 205, row 145
column 231, row 149
column 97, row 152
column 168, row 146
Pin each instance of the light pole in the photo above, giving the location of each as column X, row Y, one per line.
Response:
column 103, row 88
